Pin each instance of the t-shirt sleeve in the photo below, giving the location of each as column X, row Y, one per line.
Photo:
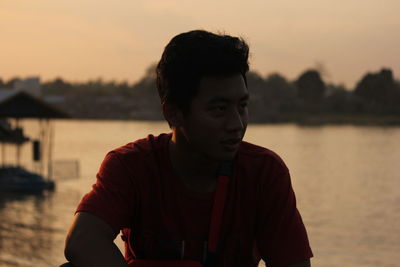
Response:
column 281, row 235
column 113, row 196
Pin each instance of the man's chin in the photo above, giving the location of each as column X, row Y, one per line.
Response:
column 222, row 155
column 226, row 156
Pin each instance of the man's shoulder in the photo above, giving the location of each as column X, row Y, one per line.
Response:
column 143, row 147
column 256, row 155
column 254, row 150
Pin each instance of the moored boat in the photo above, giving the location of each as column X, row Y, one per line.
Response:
column 17, row 179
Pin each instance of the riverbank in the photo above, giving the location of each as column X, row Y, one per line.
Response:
column 339, row 119
column 311, row 120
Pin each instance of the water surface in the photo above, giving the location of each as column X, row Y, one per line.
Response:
column 346, row 179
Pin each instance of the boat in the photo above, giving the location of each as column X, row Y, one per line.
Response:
column 20, row 180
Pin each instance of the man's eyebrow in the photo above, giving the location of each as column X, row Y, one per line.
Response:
column 219, row 99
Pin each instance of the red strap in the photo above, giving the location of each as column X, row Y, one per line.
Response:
column 217, row 212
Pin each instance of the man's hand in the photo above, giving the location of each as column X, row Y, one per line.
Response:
column 90, row 242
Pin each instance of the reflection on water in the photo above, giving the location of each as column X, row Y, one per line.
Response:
column 32, row 227
column 346, row 180
column 348, row 189
column 25, row 227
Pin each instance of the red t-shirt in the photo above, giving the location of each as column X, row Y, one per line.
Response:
column 138, row 192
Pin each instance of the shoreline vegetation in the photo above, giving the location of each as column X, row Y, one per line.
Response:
column 307, row 100
column 306, row 120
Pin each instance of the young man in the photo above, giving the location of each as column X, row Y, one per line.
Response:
column 159, row 191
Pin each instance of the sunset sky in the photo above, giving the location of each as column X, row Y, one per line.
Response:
column 119, row 39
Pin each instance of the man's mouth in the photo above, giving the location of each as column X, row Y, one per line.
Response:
column 231, row 143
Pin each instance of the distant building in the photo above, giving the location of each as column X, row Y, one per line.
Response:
column 30, row 85
column 54, row 99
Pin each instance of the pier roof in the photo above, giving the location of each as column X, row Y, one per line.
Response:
column 19, row 104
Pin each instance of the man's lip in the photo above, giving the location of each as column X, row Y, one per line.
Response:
column 231, row 141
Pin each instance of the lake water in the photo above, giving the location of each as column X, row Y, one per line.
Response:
column 346, row 178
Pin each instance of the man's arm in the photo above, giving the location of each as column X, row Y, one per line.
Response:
column 90, row 242
column 281, row 235
column 305, row 263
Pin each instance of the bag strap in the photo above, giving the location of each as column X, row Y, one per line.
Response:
column 221, row 193
column 220, row 196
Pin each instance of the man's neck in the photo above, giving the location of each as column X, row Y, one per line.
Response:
column 197, row 171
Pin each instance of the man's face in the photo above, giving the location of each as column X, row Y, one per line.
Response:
column 217, row 120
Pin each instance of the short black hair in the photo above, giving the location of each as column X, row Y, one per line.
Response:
column 192, row 55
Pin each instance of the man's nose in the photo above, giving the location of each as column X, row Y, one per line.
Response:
column 234, row 121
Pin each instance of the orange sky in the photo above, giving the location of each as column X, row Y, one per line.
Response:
column 119, row 39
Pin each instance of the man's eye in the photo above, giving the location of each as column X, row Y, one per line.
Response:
column 243, row 105
column 218, row 108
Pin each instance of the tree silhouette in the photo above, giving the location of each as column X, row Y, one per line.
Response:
column 258, row 104
column 377, row 87
column 338, row 99
column 146, row 97
column 56, row 87
column 272, row 98
column 281, row 92
column 310, row 86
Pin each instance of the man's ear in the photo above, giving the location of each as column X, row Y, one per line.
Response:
column 173, row 115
